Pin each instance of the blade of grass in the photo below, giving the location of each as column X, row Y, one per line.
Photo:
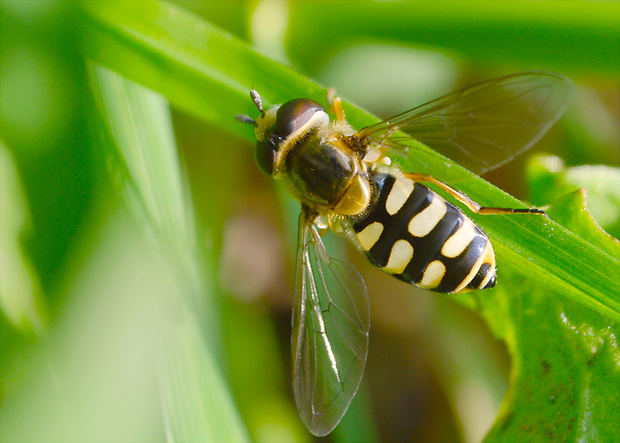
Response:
column 196, row 402
column 567, row 36
column 208, row 72
column 21, row 298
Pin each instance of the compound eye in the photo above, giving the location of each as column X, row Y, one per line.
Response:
column 265, row 156
column 294, row 114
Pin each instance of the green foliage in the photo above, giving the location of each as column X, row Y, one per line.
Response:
column 126, row 270
column 20, row 291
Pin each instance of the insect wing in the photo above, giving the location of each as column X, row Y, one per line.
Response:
column 483, row 126
column 331, row 319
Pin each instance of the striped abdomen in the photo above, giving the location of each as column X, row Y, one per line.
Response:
column 414, row 234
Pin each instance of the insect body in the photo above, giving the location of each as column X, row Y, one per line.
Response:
column 345, row 182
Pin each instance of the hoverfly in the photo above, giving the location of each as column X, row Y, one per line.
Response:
column 344, row 181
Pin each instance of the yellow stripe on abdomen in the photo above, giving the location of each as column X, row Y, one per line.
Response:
column 370, row 235
column 400, row 256
column 424, row 222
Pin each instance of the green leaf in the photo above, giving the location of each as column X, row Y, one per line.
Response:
column 550, row 179
column 561, row 384
column 566, row 365
column 571, row 211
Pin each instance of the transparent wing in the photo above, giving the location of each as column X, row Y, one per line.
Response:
column 483, row 126
column 331, row 320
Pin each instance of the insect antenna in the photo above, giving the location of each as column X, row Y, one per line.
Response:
column 245, row 119
column 256, row 99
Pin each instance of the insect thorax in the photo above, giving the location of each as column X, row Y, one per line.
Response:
column 327, row 176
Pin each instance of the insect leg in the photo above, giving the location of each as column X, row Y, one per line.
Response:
column 335, row 104
column 472, row 205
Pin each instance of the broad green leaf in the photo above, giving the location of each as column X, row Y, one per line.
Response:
column 563, row 385
column 565, row 366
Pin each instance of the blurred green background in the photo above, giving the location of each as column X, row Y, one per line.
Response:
column 146, row 265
